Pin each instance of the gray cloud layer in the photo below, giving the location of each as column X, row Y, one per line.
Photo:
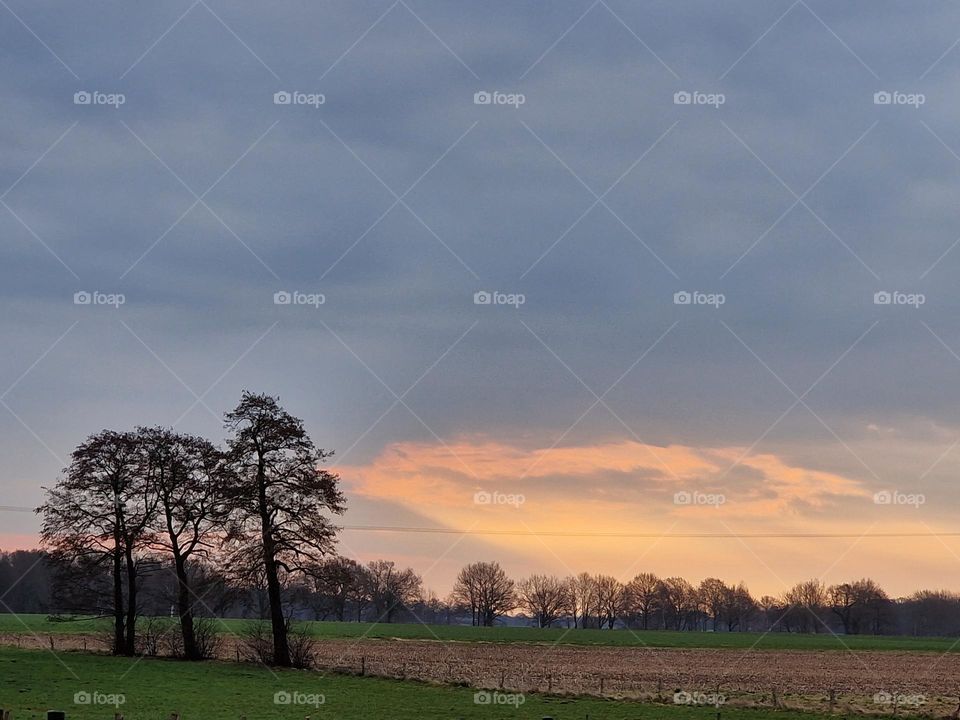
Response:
column 501, row 199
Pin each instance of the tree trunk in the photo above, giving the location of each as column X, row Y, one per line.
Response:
column 281, row 649
column 119, row 635
column 185, row 610
column 130, row 648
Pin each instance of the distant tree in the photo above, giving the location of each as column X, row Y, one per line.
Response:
column 807, row 601
column 99, row 513
column 739, row 607
column 279, row 501
column 485, row 588
column 583, row 599
column 641, row 597
column 714, row 596
column 611, row 599
column 545, row 597
column 332, row 584
column 392, row 589
column 678, row 598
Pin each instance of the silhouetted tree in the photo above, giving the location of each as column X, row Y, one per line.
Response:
column 279, row 500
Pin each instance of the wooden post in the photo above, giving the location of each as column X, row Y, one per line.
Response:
column 775, row 699
column 363, row 664
column 118, row 716
column 601, row 684
column 550, row 682
column 501, row 679
column 56, row 715
column 833, row 698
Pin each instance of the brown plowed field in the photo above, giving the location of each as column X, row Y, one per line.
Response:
column 791, row 678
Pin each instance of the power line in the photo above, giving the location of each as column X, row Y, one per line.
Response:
column 648, row 535
column 622, row 535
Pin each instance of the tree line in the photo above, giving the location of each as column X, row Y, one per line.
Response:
column 340, row 588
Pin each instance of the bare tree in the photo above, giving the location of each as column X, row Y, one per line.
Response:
column 545, row 597
column 642, row 594
column 583, row 598
column 486, row 589
column 807, row 601
column 714, row 595
column 332, row 584
column 678, row 598
column 100, row 511
column 279, row 501
column 611, row 599
column 187, row 475
column 392, row 589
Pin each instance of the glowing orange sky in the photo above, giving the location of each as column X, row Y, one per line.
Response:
column 629, row 487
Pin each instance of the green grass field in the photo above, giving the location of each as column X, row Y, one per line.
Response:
column 34, row 681
column 39, row 624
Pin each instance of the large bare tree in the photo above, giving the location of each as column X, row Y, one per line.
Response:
column 188, row 476
column 280, row 501
column 99, row 514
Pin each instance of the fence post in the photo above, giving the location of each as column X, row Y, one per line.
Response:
column 501, row 679
column 56, row 715
column 601, row 684
column 833, row 698
column 776, row 700
column 363, row 664
column 550, row 682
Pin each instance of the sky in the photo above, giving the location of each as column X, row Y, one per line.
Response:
column 578, row 285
